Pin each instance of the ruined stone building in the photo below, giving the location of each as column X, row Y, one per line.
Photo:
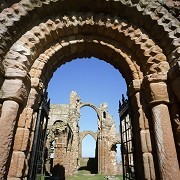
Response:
column 140, row 38
column 63, row 131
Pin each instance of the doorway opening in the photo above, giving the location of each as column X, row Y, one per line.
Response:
column 88, row 161
column 100, row 83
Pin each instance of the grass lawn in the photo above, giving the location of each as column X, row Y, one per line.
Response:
column 82, row 175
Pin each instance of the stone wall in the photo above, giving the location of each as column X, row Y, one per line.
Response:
column 58, row 112
column 63, row 123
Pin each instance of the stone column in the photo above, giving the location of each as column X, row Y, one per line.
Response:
column 99, row 152
column 101, row 146
column 157, row 95
column 8, row 121
column 14, row 92
column 143, row 157
column 80, row 149
column 74, row 115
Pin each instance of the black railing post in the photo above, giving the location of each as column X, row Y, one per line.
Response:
column 34, row 146
column 126, row 140
column 38, row 147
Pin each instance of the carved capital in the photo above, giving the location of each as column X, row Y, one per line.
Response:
column 174, row 77
column 155, row 89
column 134, row 87
column 16, row 90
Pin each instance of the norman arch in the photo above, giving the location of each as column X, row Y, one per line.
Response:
column 139, row 38
column 93, row 134
column 97, row 110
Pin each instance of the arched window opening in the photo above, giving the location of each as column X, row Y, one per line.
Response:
column 88, row 147
column 89, row 161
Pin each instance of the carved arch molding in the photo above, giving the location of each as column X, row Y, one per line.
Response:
column 139, row 38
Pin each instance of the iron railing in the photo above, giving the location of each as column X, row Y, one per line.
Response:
column 38, row 149
column 126, row 140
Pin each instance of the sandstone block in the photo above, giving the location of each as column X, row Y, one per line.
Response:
column 28, row 118
column 33, row 99
column 146, row 166
column 14, row 89
column 148, row 141
column 141, row 119
column 17, row 164
column 25, row 117
column 15, row 65
column 21, row 139
column 8, row 120
column 159, row 92
column 143, row 141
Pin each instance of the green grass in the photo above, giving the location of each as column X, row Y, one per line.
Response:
column 83, row 175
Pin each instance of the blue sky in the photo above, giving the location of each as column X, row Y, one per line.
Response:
column 95, row 81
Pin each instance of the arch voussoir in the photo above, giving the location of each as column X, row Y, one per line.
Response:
column 154, row 12
column 106, row 50
column 34, row 41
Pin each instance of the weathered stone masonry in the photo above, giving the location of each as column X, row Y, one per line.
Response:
column 139, row 38
column 63, row 129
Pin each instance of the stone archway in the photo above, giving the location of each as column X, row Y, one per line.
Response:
column 138, row 38
column 88, row 163
column 104, row 161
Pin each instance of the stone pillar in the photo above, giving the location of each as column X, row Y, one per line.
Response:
column 59, row 156
column 106, row 139
column 74, row 115
column 14, row 92
column 63, row 137
column 8, row 121
column 157, row 95
column 24, row 135
column 144, row 163
column 99, row 152
column 101, row 146
column 80, row 149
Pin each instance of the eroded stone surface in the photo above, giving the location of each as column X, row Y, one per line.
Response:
column 64, row 123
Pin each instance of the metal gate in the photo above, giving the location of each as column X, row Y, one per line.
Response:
column 126, row 140
column 38, row 149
